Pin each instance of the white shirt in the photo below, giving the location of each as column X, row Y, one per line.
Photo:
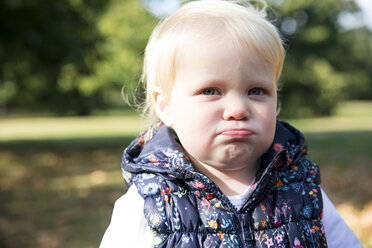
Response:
column 128, row 227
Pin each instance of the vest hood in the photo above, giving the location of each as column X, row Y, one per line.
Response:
column 163, row 153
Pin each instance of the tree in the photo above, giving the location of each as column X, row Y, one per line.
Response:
column 323, row 61
column 69, row 56
column 127, row 27
column 38, row 38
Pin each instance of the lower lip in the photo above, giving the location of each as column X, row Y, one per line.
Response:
column 237, row 133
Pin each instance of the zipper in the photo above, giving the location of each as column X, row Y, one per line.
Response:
column 244, row 215
column 212, row 187
column 252, row 202
column 242, row 233
column 265, row 182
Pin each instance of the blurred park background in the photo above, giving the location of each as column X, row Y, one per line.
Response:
column 64, row 125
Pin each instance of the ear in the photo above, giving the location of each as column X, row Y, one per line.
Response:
column 162, row 106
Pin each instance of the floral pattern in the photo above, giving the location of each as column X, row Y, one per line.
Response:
column 186, row 209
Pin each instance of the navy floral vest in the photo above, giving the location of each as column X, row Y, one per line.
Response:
column 184, row 208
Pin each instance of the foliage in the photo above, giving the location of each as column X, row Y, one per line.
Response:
column 325, row 63
column 69, row 55
column 72, row 56
column 38, row 38
column 127, row 28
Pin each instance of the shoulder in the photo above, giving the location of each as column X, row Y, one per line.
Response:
column 302, row 170
column 294, row 194
column 128, row 227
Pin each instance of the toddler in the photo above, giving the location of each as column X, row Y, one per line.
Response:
column 218, row 169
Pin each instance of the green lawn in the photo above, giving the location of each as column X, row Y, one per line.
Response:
column 62, row 128
column 59, row 177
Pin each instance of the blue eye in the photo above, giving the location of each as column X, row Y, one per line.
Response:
column 210, row 91
column 256, row 91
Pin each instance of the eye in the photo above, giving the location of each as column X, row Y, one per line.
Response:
column 210, row 91
column 256, row 92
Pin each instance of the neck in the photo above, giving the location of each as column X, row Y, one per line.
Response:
column 231, row 182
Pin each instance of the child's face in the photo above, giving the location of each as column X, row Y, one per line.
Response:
column 223, row 104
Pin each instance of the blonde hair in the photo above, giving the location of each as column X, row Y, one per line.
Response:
column 207, row 20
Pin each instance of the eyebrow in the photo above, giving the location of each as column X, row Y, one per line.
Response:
column 264, row 82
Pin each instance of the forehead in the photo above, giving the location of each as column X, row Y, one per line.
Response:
column 217, row 55
column 212, row 30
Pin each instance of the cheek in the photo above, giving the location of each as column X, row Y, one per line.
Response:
column 271, row 118
column 267, row 113
column 193, row 117
column 271, row 130
column 267, row 121
column 194, row 128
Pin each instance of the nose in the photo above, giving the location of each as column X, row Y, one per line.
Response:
column 236, row 108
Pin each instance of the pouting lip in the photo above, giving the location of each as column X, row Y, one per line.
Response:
column 237, row 132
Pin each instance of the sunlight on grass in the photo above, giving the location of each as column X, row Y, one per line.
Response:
column 350, row 116
column 87, row 181
column 360, row 220
column 68, row 127
column 53, row 197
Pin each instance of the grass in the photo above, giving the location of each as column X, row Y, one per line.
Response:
column 59, row 177
column 47, row 128
column 350, row 116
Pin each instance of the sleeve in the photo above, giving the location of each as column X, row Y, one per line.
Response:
column 338, row 233
column 128, row 227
